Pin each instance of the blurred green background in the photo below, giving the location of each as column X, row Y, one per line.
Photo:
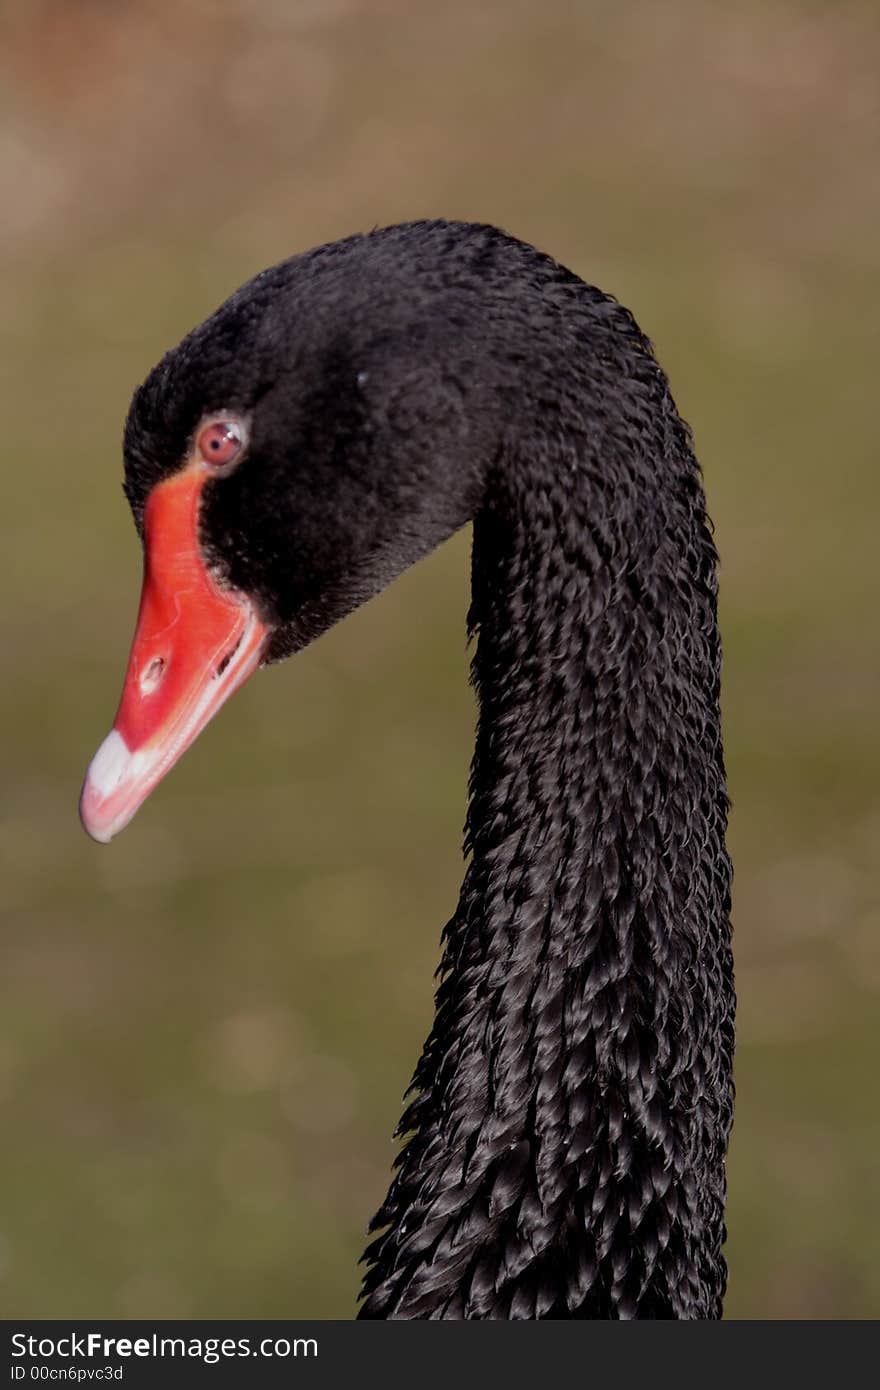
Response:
column 206, row 1029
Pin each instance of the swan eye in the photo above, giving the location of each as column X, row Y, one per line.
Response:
column 221, row 443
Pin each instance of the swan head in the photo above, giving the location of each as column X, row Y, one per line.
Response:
column 320, row 432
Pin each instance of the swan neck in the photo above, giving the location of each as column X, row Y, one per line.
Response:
column 568, row 1132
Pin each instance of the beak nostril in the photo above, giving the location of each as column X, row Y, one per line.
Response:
column 152, row 674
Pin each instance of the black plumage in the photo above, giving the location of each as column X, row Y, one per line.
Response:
column 568, row 1121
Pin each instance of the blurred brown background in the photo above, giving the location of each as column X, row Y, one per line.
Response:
column 205, row 1030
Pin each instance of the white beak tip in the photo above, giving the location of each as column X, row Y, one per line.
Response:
column 106, row 772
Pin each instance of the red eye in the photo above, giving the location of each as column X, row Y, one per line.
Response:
column 220, row 443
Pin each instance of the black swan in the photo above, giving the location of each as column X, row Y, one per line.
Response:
column 335, row 420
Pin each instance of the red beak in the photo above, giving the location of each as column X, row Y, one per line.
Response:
column 195, row 643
